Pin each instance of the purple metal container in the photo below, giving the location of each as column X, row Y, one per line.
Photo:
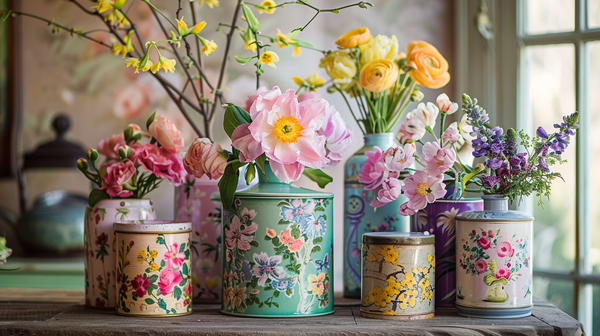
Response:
column 438, row 218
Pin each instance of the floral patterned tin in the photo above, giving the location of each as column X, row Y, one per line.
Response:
column 398, row 276
column 493, row 261
column 153, row 268
column 277, row 245
column 100, row 249
column 195, row 202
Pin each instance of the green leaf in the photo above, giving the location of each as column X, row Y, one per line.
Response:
column 177, row 293
column 233, row 117
column 478, row 169
column 96, row 196
column 303, row 43
column 253, row 23
column 318, row 176
column 228, row 185
column 250, row 174
column 5, row 15
column 152, row 279
column 283, row 222
column 275, row 303
column 276, row 294
column 254, row 243
column 296, row 232
column 162, row 263
column 182, row 247
column 150, row 119
column 243, row 60
column 317, row 240
column 183, row 282
column 282, row 203
column 149, row 301
column 185, row 269
column 316, row 249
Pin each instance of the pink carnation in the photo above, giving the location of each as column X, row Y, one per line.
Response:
column 117, row 174
column 481, row 265
column 372, row 171
column 421, row 189
column 167, row 280
column 159, row 161
column 502, row 272
column 388, row 192
column 109, row 147
column 437, row 159
column 505, row 250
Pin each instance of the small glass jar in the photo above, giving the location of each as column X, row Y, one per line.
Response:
column 153, row 268
column 398, row 275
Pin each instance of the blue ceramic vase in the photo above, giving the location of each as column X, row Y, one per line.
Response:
column 277, row 246
column 360, row 217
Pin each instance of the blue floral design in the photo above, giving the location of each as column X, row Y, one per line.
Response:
column 314, row 228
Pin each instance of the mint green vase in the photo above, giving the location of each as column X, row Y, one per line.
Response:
column 277, row 247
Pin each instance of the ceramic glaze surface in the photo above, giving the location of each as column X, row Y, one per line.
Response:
column 493, row 261
column 438, row 218
column 398, row 280
column 100, row 249
column 154, row 271
column 193, row 203
column 277, row 252
column 360, row 217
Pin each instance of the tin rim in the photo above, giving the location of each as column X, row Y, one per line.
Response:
column 152, row 226
column 398, row 238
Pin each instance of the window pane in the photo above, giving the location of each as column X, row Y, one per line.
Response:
column 594, row 147
column 550, row 16
column 595, row 329
column 550, row 85
column 594, row 14
column 558, row 292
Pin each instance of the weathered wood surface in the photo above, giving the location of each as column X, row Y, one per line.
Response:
column 46, row 312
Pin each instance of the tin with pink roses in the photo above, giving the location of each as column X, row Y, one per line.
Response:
column 153, row 268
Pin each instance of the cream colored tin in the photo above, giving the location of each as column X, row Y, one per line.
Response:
column 153, row 268
column 398, row 275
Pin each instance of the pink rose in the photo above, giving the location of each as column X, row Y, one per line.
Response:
column 203, row 158
column 484, row 242
column 167, row 280
column 159, row 161
column 129, row 102
column 109, row 147
column 166, row 134
column 481, row 266
column 140, row 285
column 505, row 250
column 117, row 174
column 502, row 272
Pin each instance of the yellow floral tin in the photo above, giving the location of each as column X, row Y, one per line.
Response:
column 153, row 268
column 398, row 275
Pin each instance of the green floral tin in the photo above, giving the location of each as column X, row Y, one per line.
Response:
column 277, row 245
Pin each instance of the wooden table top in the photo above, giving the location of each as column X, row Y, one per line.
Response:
column 61, row 312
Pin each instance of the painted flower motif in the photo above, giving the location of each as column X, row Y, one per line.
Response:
column 141, row 256
column 245, row 273
column 446, row 221
column 204, row 265
column 140, row 285
column 315, row 283
column 502, row 272
column 173, row 257
column 266, row 267
column 101, row 239
column 236, row 236
column 438, row 160
column 271, row 233
column 167, row 280
column 248, row 215
column 297, row 211
column 484, row 242
column 284, row 283
column 314, row 228
column 294, row 245
column 481, row 265
column 505, row 250
column 421, row 189
column 212, row 282
column 228, row 297
column 254, row 292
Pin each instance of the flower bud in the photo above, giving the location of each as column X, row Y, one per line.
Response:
column 124, row 152
column 92, row 155
column 82, row 165
column 119, row 4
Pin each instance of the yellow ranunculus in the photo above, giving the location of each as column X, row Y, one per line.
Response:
column 340, row 67
column 269, row 58
column 378, row 75
column 182, row 27
column 379, row 47
column 429, row 67
column 267, row 3
column 354, row 38
column 198, row 27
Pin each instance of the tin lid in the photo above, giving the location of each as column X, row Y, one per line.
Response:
column 152, row 226
column 398, row 238
column 494, row 216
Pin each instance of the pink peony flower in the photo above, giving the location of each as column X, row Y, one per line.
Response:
column 405, row 210
column 287, row 172
column 308, row 95
column 421, row 189
column 139, row 285
column 264, row 101
column 398, row 158
column 451, row 133
column 117, row 174
column 159, row 161
column 339, row 136
column 437, row 159
column 173, row 258
column 372, row 171
column 505, row 250
column 203, row 158
column 388, row 192
column 252, row 98
column 242, row 139
column 287, row 131
column 109, row 147
column 481, row 265
column 235, row 236
column 484, row 242
column 166, row 134
column 167, row 280
column 445, row 105
column 502, row 272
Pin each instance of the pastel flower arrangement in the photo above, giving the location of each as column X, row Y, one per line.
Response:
column 382, row 79
column 294, row 137
column 132, row 168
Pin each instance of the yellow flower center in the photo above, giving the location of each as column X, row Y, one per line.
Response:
column 422, row 188
column 287, row 129
column 439, row 163
column 402, row 160
column 266, row 58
